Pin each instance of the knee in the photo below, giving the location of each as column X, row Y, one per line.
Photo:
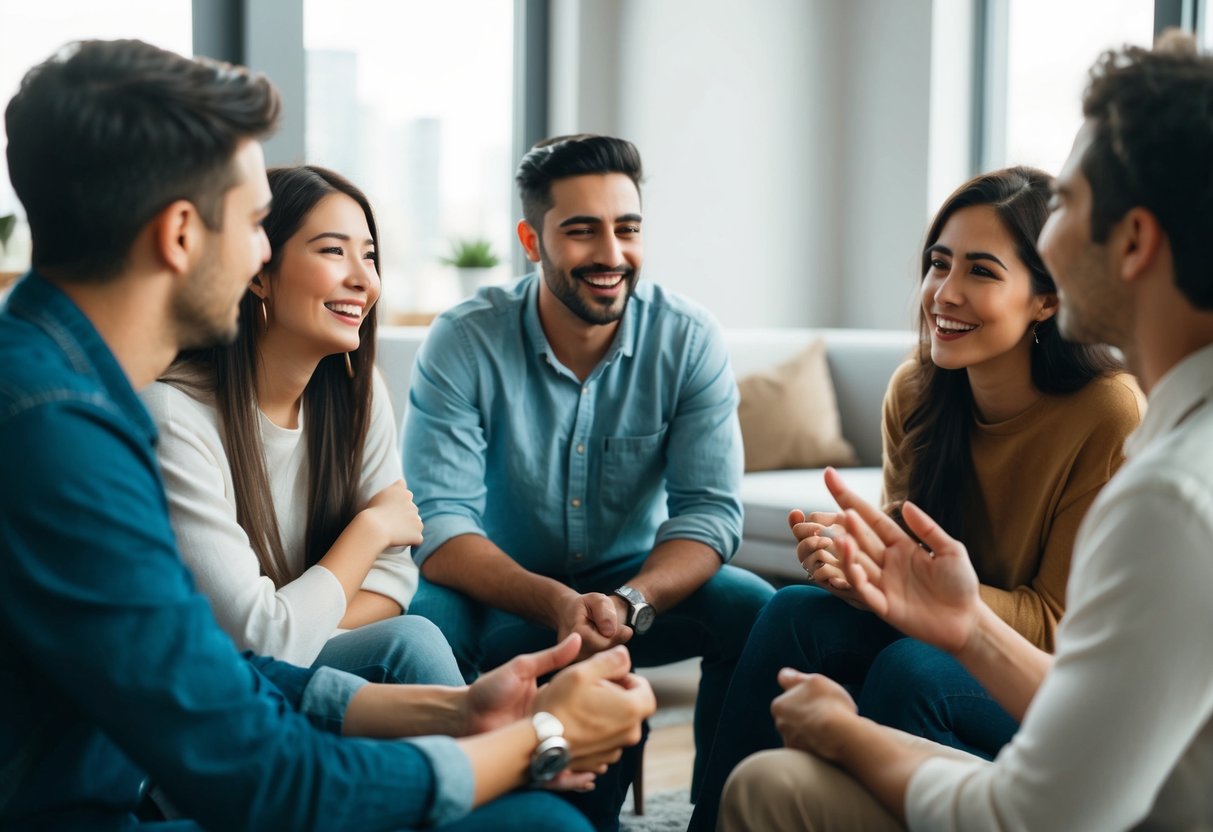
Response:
column 764, row 791
column 792, row 602
column 416, row 652
column 902, row 684
column 406, row 633
column 737, row 596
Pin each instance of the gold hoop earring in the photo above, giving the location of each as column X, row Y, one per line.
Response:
column 349, row 367
column 1035, row 337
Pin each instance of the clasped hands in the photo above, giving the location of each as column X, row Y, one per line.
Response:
column 927, row 590
column 599, row 619
column 599, row 701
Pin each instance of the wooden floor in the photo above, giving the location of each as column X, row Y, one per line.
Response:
column 670, row 751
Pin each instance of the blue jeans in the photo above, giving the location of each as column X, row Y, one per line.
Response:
column 896, row 681
column 525, row 811
column 712, row 623
column 406, row 649
column 520, row 811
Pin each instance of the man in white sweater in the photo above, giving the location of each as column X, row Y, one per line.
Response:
column 1116, row 728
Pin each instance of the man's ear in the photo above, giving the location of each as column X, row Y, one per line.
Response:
column 177, row 233
column 529, row 238
column 1137, row 241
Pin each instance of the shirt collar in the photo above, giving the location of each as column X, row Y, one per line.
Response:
column 44, row 305
column 1183, row 388
column 625, row 336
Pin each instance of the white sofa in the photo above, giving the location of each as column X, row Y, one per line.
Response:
column 860, row 361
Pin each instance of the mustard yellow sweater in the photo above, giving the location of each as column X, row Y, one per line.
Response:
column 1037, row 473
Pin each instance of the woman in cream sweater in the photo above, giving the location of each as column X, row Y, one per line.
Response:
column 280, row 458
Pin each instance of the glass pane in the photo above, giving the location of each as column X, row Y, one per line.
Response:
column 31, row 31
column 1206, row 25
column 413, row 101
column 1051, row 46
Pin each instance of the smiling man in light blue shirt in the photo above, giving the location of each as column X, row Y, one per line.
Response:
column 572, row 442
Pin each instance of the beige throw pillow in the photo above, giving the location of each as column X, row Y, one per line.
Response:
column 789, row 415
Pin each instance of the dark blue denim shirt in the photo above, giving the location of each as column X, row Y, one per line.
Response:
column 112, row 668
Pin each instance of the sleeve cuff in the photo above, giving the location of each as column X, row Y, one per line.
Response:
column 722, row 536
column 440, row 529
column 394, row 575
column 454, row 780
column 327, row 696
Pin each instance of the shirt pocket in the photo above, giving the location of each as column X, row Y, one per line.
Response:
column 633, row 468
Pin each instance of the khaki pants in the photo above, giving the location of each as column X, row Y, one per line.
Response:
column 774, row 791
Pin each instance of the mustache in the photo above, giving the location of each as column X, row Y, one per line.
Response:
column 597, row 268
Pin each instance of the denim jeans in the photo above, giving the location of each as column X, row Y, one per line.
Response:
column 406, row 649
column 525, row 811
column 896, row 681
column 712, row 623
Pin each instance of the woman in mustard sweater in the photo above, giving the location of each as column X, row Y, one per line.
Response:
column 1001, row 431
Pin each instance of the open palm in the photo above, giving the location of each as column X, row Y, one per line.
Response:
column 928, row 591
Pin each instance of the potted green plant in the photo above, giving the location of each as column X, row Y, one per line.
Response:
column 8, row 222
column 473, row 260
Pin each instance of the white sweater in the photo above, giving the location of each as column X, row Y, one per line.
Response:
column 291, row 623
column 1120, row 735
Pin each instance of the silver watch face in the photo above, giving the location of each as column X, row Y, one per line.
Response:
column 549, row 759
column 643, row 617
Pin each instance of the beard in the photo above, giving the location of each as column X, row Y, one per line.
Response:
column 202, row 309
column 568, row 287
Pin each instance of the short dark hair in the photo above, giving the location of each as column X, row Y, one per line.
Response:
column 565, row 156
column 1152, row 146
column 105, row 134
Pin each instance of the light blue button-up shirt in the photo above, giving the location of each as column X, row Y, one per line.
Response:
column 502, row 440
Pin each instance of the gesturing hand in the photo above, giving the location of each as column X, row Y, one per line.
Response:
column 506, row 693
column 818, row 556
column 808, row 711
column 929, row 592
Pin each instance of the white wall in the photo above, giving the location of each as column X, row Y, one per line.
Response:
column 785, row 143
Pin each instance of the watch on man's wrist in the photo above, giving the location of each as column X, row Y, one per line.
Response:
column 551, row 755
column 640, row 612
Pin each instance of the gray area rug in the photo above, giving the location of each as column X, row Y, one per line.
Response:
column 663, row 812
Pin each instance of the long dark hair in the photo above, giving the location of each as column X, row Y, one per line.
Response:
column 940, row 416
column 336, row 408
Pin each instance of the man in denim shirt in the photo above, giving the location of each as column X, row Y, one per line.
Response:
column 573, row 446
column 145, row 189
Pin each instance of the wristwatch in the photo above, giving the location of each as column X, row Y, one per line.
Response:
column 552, row 752
column 640, row 611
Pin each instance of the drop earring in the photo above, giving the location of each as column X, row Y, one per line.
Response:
column 349, row 367
column 1035, row 336
column 265, row 316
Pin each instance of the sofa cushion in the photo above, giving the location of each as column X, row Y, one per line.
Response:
column 768, row 496
column 767, row 544
column 789, row 415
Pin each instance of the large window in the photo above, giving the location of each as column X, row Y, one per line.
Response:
column 413, row 100
column 31, row 31
column 1038, row 54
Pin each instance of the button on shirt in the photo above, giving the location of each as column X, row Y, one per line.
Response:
column 112, row 668
column 565, row 475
